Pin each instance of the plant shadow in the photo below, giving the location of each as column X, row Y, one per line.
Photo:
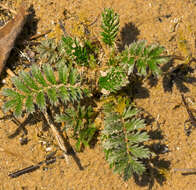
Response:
column 156, row 167
column 128, row 35
column 178, row 76
column 155, row 172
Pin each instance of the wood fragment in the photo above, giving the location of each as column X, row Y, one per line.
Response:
column 36, row 36
column 8, row 35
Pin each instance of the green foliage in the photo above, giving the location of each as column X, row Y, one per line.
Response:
column 110, row 26
column 48, row 51
column 35, row 87
column 143, row 58
column 68, row 50
column 114, row 80
column 122, row 140
column 80, row 121
column 58, row 85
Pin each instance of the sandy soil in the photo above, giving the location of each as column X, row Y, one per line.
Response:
column 170, row 23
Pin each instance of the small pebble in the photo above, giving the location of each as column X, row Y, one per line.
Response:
column 48, row 149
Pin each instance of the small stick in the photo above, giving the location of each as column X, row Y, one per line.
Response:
column 58, row 137
column 39, row 35
column 33, row 167
column 185, row 170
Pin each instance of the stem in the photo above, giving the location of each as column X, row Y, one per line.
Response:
column 126, row 139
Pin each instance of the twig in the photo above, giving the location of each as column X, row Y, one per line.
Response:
column 191, row 116
column 58, row 137
column 184, row 169
column 33, row 167
column 39, row 35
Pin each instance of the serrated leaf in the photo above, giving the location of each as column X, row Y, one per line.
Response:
column 29, row 104
column 73, row 75
column 28, row 80
column 38, row 75
column 51, row 92
column 139, row 151
column 63, row 73
column 134, row 124
column 110, row 26
column 9, row 92
column 18, row 106
column 140, row 47
column 61, row 118
column 138, row 137
column 40, row 100
column 129, row 112
column 137, row 167
column 154, row 67
column 141, row 65
column 18, row 83
column 63, row 94
column 156, row 51
column 9, row 105
column 49, row 73
column 132, row 48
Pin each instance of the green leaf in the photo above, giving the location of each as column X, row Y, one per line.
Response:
column 29, row 104
column 138, row 137
column 18, row 106
column 140, row 47
column 51, row 92
column 129, row 112
column 63, row 94
column 154, row 67
column 63, row 73
column 134, row 124
column 73, row 77
column 40, row 100
column 139, row 151
column 156, row 51
column 110, row 26
column 61, row 118
column 28, row 80
column 141, row 65
column 38, row 75
column 48, row 71
column 137, row 167
column 9, row 105
column 20, row 85
column 67, row 43
column 122, row 141
column 9, row 93
column 114, row 80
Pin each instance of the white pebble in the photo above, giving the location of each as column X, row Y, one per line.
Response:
column 48, row 149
